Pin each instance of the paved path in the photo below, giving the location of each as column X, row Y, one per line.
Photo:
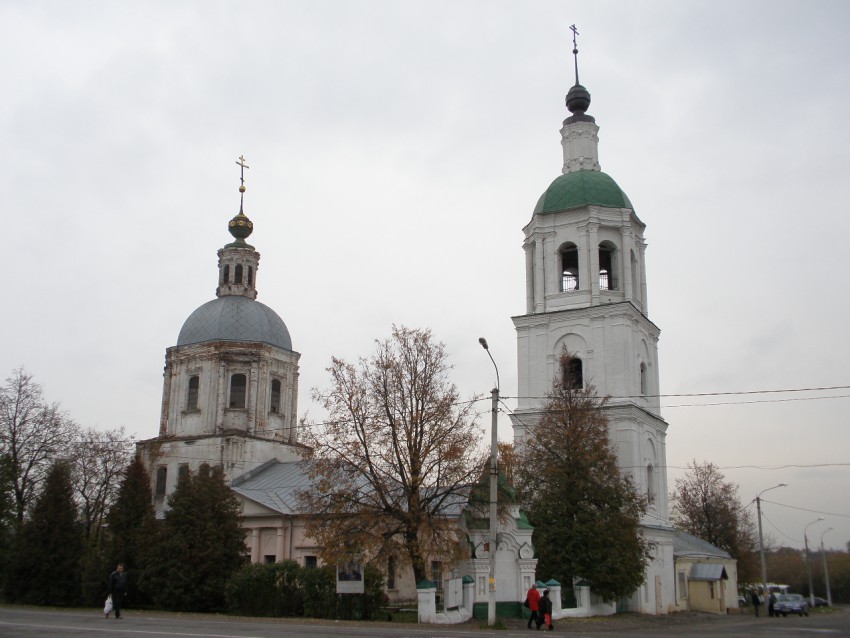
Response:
column 32, row 622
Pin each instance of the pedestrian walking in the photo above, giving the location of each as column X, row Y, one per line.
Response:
column 756, row 601
column 771, row 601
column 118, row 589
column 546, row 610
column 533, row 599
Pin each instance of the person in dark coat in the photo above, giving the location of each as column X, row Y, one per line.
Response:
column 756, row 601
column 118, row 589
column 534, row 606
column 771, row 601
column 546, row 610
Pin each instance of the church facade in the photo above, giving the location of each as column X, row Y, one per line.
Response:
column 230, row 385
column 586, row 292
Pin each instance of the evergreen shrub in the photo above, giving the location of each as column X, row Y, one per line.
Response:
column 287, row 589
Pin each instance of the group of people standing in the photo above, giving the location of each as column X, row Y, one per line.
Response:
column 540, row 608
column 757, row 599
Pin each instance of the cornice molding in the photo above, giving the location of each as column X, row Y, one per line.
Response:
column 624, row 309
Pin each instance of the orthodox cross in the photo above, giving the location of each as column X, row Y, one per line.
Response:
column 575, row 48
column 243, row 166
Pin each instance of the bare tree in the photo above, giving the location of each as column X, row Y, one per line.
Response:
column 32, row 434
column 706, row 505
column 98, row 460
column 394, row 463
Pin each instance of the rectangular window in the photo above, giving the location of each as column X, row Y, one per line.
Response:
column 391, row 572
column 161, row 475
column 437, row 574
column 238, row 384
column 192, row 394
column 182, row 471
column 683, row 587
column 311, row 562
column 275, row 402
column 269, row 558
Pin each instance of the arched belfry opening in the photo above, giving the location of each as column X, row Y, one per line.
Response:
column 607, row 266
column 569, row 267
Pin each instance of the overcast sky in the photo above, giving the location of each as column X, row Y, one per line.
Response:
column 396, row 150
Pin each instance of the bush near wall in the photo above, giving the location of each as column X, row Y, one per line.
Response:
column 287, row 589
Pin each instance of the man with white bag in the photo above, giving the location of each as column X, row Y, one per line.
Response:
column 117, row 590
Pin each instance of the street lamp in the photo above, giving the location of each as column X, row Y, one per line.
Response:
column 825, row 572
column 808, row 560
column 761, row 538
column 494, row 478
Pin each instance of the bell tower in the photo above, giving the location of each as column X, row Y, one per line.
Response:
column 586, row 291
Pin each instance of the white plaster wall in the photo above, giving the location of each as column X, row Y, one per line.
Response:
column 214, row 363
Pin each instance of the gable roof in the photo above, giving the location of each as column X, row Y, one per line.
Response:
column 274, row 485
column 685, row 544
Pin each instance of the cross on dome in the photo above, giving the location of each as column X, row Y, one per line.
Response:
column 240, row 226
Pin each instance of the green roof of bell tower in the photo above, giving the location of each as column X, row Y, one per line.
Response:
column 581, row 188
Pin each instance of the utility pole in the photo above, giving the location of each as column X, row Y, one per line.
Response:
column 764, row 590
column 494, row 482
column 809, row 560
column 825, row 572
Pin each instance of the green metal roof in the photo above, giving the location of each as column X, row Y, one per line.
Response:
column 581, row 188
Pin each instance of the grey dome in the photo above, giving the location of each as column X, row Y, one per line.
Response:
column 235, row 318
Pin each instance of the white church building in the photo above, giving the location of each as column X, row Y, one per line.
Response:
column 230, row 385
column 231, row 381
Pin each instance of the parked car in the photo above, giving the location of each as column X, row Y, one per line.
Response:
column 791, row 604
column 821, row 602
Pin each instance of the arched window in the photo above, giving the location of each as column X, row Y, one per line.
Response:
column 225, row 278
column 644, row 387
column 192, row 394
column 607, row 263
column 650, row 483
column 569, row 267
column 238, row 384
column 237, row 274
column 250, row 275
column 275, row 402
column 572, row 375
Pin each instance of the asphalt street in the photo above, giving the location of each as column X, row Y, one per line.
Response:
column 42, row 623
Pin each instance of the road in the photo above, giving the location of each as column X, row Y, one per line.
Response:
column 43, row 623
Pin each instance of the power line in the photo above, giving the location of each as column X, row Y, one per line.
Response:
column 714, row 394
column 704, row 405
column 773, row 525
column 803, row 509
column 715, row 403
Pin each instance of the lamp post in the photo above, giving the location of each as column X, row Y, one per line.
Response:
column 809, row 561
column 825, row 572
column 761, row 538
column 494, row 478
